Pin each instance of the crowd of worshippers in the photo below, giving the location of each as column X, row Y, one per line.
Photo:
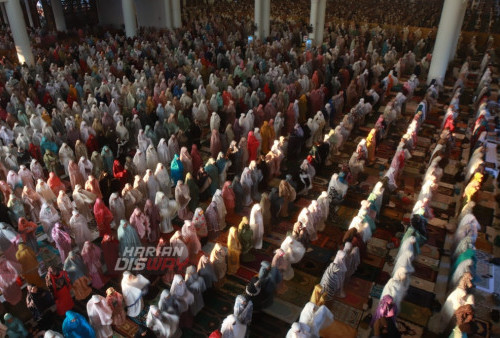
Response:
column 457, row 312
column 108, row 132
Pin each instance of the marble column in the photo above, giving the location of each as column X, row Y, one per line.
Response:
column 176, row 14
column 320, row 29
column 129, row 18
column 168, row 13
column 450, row 15
column 58, row 11
column 19, row 33
column 266, row 17
column 258, row 19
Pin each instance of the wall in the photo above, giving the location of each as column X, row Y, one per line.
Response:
column 150, row 13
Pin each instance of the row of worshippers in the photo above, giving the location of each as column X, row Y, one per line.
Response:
column 414, row 237
column 466, row 229
column 457, row 313
column 347, row 259
column 259, row 294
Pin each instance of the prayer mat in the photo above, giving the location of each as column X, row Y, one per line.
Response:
column 425, row 272
column 274, row 238
column 282, row 227
column 382, row 233
column 383, row 278
column 338, row 329
column 414, row 313
column 342, row 221
column 360, row 288
column 373, row 260
column 259, row 257
column 311, row 266
column 487, row 200
column 435, row 236
column 446, row 199
column 484, row 216
column 245, row 273
column 319, row 254
column 483, row 270
column 302, row 203
column 210, row 317
column 388, row 267
column 439, row 207
column 367, row 272
column 233, row 219
column 283, row 310
column 48, row 254
column 419, row 297
column 346, row 314
column 392, row 213
column 127, row 329
column 452, row 168
column 141, row 318
column 408, row 329
column 422, row 284
column 377, row 247
column 222, row 237
column 233, row 286
column 353, row 299
column 483, row 244
column 299, row 288
column 429, row 251
column 330, row 239
column 376, row 291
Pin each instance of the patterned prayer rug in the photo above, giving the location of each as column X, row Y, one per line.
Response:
column 338, row 329
column 346, row 314
column 376, row 290
column 419, row 297
column 299, row 288
column 408, row 329
column 414, row 313
column 367, row 272
column 357, row 293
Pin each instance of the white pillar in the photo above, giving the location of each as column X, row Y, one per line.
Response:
column 258, row 19
column 19, row 33
column 129, row 19
column 266, row 16
column 458, row 30
column 320, row 29
column 176, row 13
column 28, row 11
column 58, row 15
column 4, row 14
column 168, row 13
column 313, row 18
column 444, row 39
